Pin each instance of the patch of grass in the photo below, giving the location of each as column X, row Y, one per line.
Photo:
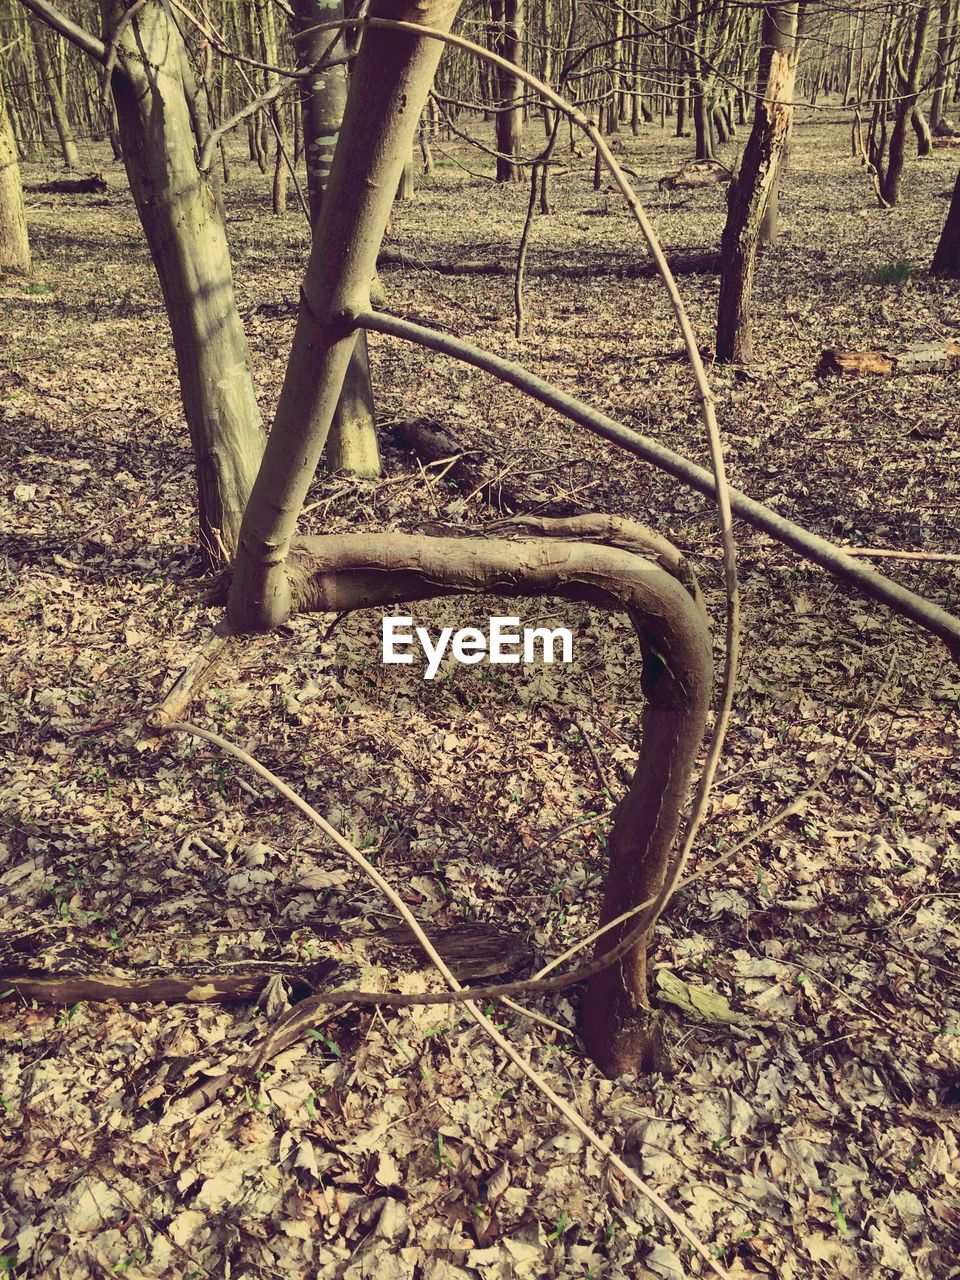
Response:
column 898, row 272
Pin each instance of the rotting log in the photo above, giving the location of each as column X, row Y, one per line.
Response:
column 472, row 951
column 695, row 176
column 921, row 357
column 434, row 445
column 341, row 572
column 94, row 185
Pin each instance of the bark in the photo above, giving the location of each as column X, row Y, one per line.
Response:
column 58, row 110
column 921, row 357
column 344, row 572
column 682, row 263
column 922, row 130
column 178, row 209
column 389, row 85
column 946, row 260
column 702, row 122
column 14, row 242
column 750, row 190
column 946, row 35
column 352, row 443
column 472, row 951
column 506, row 30
column 890, row 168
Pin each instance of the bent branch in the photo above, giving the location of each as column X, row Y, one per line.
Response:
column 809, row 545
column 340, row 572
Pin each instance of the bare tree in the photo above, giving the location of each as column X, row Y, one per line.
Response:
column 750, row 190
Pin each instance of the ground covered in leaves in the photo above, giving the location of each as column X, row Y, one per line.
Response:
column 813, row 1132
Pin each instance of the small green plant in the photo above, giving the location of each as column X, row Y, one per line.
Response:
column 67, row 1016
column 838, row 1214
column 441, row 1157
column 898, row 272
column 137, row 1256
column 562, row 1223
column 330, row 1045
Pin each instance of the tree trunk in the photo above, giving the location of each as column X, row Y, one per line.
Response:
column 185, row 232
column 58, row 110
column 352, row 442
column 891, row 175
column 505, row 39
column 946, row 33
column 922, row 130
column 14, row 243
column 389, row 84
column 616, row 72
column 946, row 260
column 702, row 124
column 405, row 188
column 748, row 193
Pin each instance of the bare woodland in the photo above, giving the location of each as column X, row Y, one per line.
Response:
column 639, row 322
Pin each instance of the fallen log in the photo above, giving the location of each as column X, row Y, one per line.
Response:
column 471, row 951
column 920, row 357
column 687, row 263
column 694, row 177
column 435, row 446
column 951, row 140
column 95, row 184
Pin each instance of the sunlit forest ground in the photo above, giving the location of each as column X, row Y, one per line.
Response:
column 817, row 1134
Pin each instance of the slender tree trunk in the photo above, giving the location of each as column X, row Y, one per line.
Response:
column 945, row 39
column 616, row 72
column 14, row 243
column 891, row 179
column 278, row 111
column 180, row 215
column 58, row 110
column 946, row 260
column 702, row 124
column 390, row 81
column 352, row 441
column 546, row 64
column 750, row 190
column 922, row 130
column 506, row 39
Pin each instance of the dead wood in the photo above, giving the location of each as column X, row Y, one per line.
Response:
column 433, row 444
column 921, row 357
column 189, row 683
column 472, row 952
column 688, row 262
column 695, row 176
column 951, row 140
column 95, row 184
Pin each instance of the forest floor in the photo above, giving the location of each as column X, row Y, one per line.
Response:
column 815, row 1136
